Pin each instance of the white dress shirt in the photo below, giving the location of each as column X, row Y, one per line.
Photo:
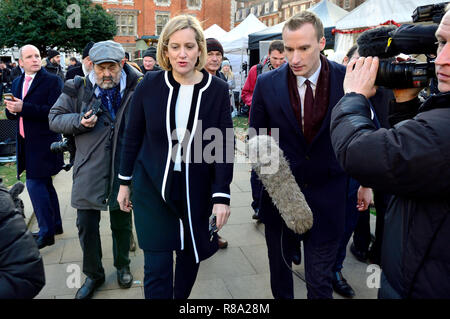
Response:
column 301, row 86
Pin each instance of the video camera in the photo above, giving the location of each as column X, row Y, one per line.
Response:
column 387, row 42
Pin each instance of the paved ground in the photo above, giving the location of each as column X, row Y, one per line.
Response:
column 240, row 271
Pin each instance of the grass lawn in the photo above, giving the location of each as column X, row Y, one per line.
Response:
column 8, row 174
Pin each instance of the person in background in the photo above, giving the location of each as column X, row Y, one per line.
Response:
column 229, row 76
column 86, row 64
column 149, row 61
column 53, row 63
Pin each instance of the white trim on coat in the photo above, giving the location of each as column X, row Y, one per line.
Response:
column 188, row 153
column 169, row 135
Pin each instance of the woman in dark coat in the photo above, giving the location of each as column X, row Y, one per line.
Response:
column 180, row 174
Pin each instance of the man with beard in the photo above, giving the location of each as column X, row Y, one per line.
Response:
column 94, row 110
column 53, row 63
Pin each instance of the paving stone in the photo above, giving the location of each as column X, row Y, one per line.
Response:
column 210, row 289
column 243, row 199
column 257, row 256
column 242, row 235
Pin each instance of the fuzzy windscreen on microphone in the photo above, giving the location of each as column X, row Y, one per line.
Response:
column 273, row 170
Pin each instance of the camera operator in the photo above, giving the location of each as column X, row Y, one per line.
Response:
column 410, row 161
column 94, row 109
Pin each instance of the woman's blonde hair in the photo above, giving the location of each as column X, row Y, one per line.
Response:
column 175, row 24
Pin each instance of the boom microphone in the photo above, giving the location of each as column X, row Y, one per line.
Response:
column 273, row 170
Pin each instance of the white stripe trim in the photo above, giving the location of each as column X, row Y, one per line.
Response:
column 188, row 153
column 169, row 136
column 221, row 195
column 181, row 234
column 125, row 178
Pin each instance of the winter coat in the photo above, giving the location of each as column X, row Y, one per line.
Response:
column 147, row 161
column 55, row 69
column 412, row 162
column 33, row 151
column 97, row 149
column 21, row 268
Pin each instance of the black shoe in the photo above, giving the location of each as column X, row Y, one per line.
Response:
column 297, row 257
column 35, row 235
column 132, row 243
column 341, row 286
column 360, row 255
column 124, row 277
column 59, row 230
column 256, row 214
column 87, row 290
column 44, row 241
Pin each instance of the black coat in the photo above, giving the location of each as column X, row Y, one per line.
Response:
column 33, row 152
column 147, row 158
column 21, row 267
column 76, row 70
column 412, row 162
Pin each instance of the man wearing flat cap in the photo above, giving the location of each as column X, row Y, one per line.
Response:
column 94, row 109
column 86, row 64
column 53, row 63
column 149, row 61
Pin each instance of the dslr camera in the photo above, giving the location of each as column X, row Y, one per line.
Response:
column 68, row 142
column 387, row 42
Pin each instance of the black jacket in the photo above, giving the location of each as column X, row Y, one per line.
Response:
column 72, row 72
column 21, row 267
column 55, row 69
column 412, row 162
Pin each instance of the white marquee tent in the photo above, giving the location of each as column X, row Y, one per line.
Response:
column 214, row 31
column 374, row 13
column 235, row 44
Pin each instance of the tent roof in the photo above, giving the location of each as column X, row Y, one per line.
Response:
column 237, row 38
column 375, row 12
column 328, row 12
column 214, row 31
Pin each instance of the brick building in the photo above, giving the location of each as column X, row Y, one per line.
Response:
column 139, row 22
column 272, row 12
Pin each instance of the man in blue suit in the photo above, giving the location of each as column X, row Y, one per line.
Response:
column 35, row 92
column 297, row 99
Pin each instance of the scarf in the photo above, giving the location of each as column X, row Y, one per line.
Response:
column 321, row 100
column 111, row 100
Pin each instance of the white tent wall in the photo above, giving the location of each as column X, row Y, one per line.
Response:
column 373, row 13
column 214, row 31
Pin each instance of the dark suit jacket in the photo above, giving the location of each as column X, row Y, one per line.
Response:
column 76, row 70
column 314, row 165
column 33, row 152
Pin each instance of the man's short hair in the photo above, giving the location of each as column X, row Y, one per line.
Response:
column 351, row 51
column 298, row 20
column 276, row 45
column 23, row 47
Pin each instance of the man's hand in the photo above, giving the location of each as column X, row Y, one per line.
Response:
column 14, row 106
column 87, row 121
column 222, row 213
column 123, row 197
column 365, row 198
column 361, row 78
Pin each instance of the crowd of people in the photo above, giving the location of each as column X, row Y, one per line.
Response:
column 138, row 130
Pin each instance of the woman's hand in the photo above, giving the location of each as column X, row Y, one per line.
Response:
column 365, row 198
column 222, row 213
column 123, row 197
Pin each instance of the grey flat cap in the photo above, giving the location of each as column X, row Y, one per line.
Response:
column 106, row 51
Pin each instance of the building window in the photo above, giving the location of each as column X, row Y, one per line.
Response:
column 194, row 4
column 161, row 19
column 270, row 23
column 126, row 24
column 130, row 2
column 266, row 7
column 346, row 4
column 275, row 5
column 275, row 20
column 162, row 3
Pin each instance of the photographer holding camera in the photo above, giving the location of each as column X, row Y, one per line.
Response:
column 94, row 109
column 410, row 161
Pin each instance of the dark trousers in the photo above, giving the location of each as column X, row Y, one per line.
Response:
column 45, row 205
column 319, row 260
column 88, row 223
column 386, row 291
column 352, row 215
column 256, row 185
column 158, row 274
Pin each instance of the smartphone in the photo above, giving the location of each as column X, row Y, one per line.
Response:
column 8, row 96
column 212, row 227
